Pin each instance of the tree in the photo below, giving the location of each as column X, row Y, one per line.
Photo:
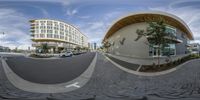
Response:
column 156, row 34
column 106, row 45
column 45, row 48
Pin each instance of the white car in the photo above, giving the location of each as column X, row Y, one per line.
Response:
column 66, row 54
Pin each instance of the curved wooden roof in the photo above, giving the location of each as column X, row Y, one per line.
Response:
column 146, row 17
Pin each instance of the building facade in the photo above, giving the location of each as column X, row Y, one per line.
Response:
column 92, row 46
column 4, row 49
column 122, row 33
column 195, row 48
column 58, row 35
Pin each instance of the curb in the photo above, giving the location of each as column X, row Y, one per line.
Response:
column 149, row 73
column 49, row 88
column 42, row 58
column 50, row 58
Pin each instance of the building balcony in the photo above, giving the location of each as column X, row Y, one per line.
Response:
column 32, row 24
column 188, row 45
column 32, row 31
column 32, row 35
column 169, row 39
column 176, row 40
column 31, row 21
column 32, row 27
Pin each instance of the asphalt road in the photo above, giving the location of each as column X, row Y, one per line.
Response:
column 50, row 71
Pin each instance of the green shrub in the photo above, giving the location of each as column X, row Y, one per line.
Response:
column 154, row 66
column 39, row 56
column 179, row 61
column 169, row 64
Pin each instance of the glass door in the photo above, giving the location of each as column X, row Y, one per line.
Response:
column 156, row 51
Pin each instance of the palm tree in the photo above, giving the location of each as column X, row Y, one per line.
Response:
column 156, row 34
column 45, row 47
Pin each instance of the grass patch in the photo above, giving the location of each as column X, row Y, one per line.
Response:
column 162, row 67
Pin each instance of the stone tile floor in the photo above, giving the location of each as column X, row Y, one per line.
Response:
column 110, row 83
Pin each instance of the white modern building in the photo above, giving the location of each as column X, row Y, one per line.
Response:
column 93, row 46
column 122, row 33
column 58, row 35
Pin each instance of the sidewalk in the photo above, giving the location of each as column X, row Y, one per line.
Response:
column 133, row 68
column 145, row 61
column 125, row 64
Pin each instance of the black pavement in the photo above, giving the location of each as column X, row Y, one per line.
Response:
column 50, row 71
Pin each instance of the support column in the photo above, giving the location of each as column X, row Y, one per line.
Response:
column 56, row 50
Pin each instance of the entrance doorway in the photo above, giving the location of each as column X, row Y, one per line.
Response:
column 156, row 51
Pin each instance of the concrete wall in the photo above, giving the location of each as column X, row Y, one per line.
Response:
column 181, row 48
column 138, row 49
column 130, row 47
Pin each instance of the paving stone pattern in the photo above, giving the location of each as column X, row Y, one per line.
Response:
column 127, row 65
column 110, row 83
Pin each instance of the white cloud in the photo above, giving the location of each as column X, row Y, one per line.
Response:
column 75, row 13
column 96, row 29
column 71, row 12
column 189, row 13
column 44, row 11
column 84, row 17
column 13, row 24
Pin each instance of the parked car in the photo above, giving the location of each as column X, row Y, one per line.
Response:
column 76, row 52
column 66, row 54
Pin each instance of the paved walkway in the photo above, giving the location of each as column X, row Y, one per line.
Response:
column 108, row 82
column 145, row 61
column 134, row 68
column 125, row 64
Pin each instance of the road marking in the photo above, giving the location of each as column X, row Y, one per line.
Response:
column 73, row 85
column 139, row 68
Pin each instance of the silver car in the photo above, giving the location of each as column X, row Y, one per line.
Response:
column 66, row 54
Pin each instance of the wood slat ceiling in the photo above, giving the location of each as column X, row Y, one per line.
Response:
column 147, row 18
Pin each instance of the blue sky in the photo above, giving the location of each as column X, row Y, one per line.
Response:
column 92, row 17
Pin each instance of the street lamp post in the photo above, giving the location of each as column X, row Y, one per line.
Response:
column 2, row 36
column 2, row 39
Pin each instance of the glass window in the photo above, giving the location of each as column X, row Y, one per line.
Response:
column 56, row 36
column 66, row 38
column 61, row 37
column 49, row 31
column 37, row 31
column 42, row 35
column 171, row 30
column 61, row 33
column 150, row 50
column 169, row 50
column 56, row 32
column 49, row 35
